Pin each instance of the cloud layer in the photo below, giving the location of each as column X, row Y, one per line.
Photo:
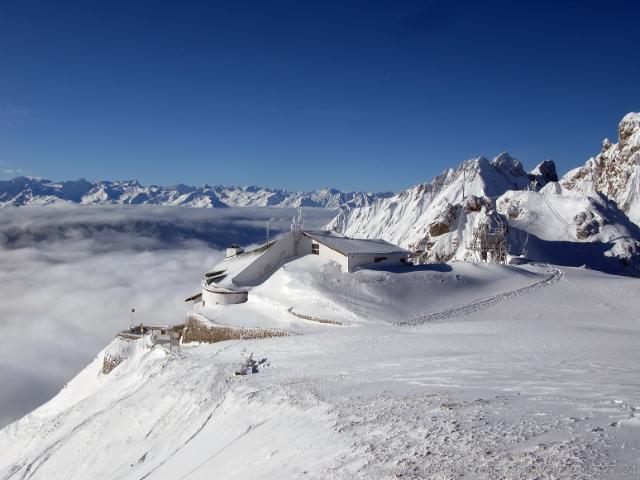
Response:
column 70, row 275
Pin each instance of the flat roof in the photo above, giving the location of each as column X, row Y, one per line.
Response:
column 353, row 246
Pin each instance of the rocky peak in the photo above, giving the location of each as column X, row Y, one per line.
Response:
column 629, row 127
column 615, row 171
column 545, row 172
column 506, row 162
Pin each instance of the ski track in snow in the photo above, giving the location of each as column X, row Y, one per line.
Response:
column 199, row 429
column 485, row 303
column 33, row 465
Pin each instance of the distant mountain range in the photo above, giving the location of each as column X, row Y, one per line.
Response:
column 33, row 191
column 588, row 217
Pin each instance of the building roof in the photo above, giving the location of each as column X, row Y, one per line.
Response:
column 353, row 246
column 223, row 272
column 194, row 297
column 217, row 289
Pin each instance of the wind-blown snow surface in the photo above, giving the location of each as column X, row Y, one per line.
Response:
column 539, row 384
column 69, row 276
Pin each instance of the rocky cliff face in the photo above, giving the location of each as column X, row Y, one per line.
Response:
column 418, row 218
column 583, row 219
column 615, row 171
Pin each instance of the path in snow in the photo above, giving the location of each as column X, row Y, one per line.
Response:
column 485, row 303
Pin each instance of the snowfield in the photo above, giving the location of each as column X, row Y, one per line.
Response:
column 541, row 381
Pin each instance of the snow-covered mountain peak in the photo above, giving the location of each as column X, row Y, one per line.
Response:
column 437, row 220
column 629, row 128
column 418, row 215
column 615, row 171
column 34, row 191
column 506, row 162
column 545, row 172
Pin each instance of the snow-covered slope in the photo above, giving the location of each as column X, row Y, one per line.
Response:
column 615, row 171
column 570, row 227
column 582, row 220
column 520, row 377
column 437, row 218
column 408, row 217
column 33, row 191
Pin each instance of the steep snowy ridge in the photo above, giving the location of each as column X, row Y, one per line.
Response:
column 584, row 219
column 429, row 210
column 565, row 227
column 615, row 171
column 32, row 191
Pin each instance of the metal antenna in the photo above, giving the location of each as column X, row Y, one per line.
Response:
column 297, row 222
column 133, row 310
column 268, row 229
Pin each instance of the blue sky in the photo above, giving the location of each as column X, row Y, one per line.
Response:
column 299, row 95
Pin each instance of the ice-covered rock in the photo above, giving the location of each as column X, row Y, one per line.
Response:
column 545, row 172
column 615, row 171
column 417, row 215
column 544, row 219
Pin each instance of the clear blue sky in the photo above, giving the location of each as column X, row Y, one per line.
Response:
column 357, row 95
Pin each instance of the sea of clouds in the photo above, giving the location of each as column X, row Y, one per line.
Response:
column 69, row 276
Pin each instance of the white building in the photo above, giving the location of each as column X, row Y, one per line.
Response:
column 226, row 283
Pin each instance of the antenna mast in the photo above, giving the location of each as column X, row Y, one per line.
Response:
column 296, row 228
column 298, row 222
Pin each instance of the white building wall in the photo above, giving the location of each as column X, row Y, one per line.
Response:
column 331, row 254
column 272, row 258
column 364, row 259
column 304, row 245
column 216, row 298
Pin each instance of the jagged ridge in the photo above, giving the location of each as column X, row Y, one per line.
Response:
column 32, row 191
column 579, row 220
column 615, row 171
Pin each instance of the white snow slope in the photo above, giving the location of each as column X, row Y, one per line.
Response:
column 405, row 218
column 504, row 372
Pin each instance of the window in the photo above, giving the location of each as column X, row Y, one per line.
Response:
column 379, row 259
column 315, row 248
